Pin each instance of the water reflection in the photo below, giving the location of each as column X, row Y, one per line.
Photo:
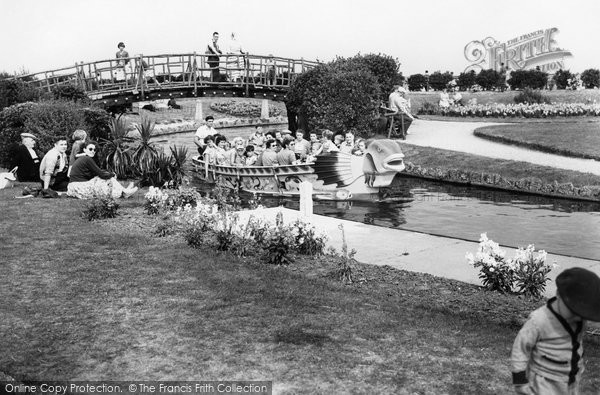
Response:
column 561, row 226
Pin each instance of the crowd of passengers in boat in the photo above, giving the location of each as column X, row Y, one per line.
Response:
column 272, row 148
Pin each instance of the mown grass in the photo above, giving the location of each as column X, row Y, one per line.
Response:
column 446, row 159
column 106, row 300
column 577, row 139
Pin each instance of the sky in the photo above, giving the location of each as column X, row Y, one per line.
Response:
column 38, row 35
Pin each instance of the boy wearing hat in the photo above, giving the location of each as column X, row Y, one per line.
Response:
column 547, row 354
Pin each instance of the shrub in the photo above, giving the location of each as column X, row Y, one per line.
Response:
column 562, row 78
column 530, row 96
column 115, row 150
column 345, row 260
column 69, row 93
column 591, row 78
column 194, row 236
column 340, row 95
column 16, row 91
column 526, row 273
column 307, row 240
column 100, row 207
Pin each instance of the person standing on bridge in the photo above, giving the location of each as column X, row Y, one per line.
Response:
column 122, row 61
column 236, row 59
column 212, row 49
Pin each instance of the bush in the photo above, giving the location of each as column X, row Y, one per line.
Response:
column 530, row 96
column 533, row 79
column 194, row 236
column 591, row 78
column 16, row 91
column 562, row 79
column 69, row 93
column 100, row 207
column 337, row 96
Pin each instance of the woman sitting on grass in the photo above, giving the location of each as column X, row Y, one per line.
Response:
column 88, row 180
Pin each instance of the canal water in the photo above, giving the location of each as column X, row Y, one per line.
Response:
column 560, row 226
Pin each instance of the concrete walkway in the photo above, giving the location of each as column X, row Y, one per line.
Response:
column 458, row 136
column 417, row 252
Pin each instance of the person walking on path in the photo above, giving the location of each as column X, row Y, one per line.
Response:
column 212, row 49
column 547, row 354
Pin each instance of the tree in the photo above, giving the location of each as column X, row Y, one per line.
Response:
column 591, row 78
column 417, row 82
column 562, row 78
column 340, row 95
column 466, row 80
column 439, row 81
column 533, row 79
column 383, row 67
column 489, row 79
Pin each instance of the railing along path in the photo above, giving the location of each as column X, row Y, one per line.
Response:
column 142, row 75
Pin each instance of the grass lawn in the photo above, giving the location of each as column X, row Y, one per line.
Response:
column 578, row 138
column 446, row 159
column 107, row 300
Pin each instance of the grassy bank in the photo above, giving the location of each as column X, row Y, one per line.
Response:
column 576, row 139
column 435, row 157
column 107, row 300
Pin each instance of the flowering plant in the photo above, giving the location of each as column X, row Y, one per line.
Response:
column 155, row 200
column 495, row 272
column 526, row 273
column 522, row 110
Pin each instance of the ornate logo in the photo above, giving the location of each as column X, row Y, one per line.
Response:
column 536, row 49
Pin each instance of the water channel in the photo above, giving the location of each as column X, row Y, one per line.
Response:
column 560, row 226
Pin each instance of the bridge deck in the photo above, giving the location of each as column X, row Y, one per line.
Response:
column 175, row 75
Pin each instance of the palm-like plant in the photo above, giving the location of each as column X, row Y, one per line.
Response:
column 116, row 153
column 179, row 156
column 145, row 153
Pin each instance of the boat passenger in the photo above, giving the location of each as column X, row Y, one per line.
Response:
column 302, row 148
column 328, row 144
column 257, row 139
column 286, row 156
column 203, row 131
column 221, row 150
column 359, row 148
column 268, row 157
column 316, row 147
column 251, row 156
column 210, row 152
column 338, row 139
column 237, row 155
column 348, row 145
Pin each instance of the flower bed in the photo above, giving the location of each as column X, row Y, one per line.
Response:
column 528, row 184
column 243, row 109
column 496, row 110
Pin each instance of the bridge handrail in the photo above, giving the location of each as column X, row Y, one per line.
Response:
column 112, row 64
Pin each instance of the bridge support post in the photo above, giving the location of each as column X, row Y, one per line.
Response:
column 264, row 111
column 198, row 116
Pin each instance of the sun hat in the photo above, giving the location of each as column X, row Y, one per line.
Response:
column 579, row 289
column 23, row 135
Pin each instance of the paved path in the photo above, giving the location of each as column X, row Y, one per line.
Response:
column 417, row 252
column 458, row 136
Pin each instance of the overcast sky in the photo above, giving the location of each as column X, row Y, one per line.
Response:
column 38, row 35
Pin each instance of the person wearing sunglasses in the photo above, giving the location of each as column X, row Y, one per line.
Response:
column 88, row 180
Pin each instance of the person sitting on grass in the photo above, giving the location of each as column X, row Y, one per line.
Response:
column 89, row 181
column 547, row 353
column 54, row 167
column 79, row 137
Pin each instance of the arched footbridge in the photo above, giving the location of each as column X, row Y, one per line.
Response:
column 119, row 82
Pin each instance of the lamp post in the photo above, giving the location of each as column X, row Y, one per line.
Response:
column 427, row 80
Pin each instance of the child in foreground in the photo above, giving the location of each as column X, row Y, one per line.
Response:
column 546, row 357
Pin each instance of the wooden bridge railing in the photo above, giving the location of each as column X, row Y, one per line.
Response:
column 171, row 71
